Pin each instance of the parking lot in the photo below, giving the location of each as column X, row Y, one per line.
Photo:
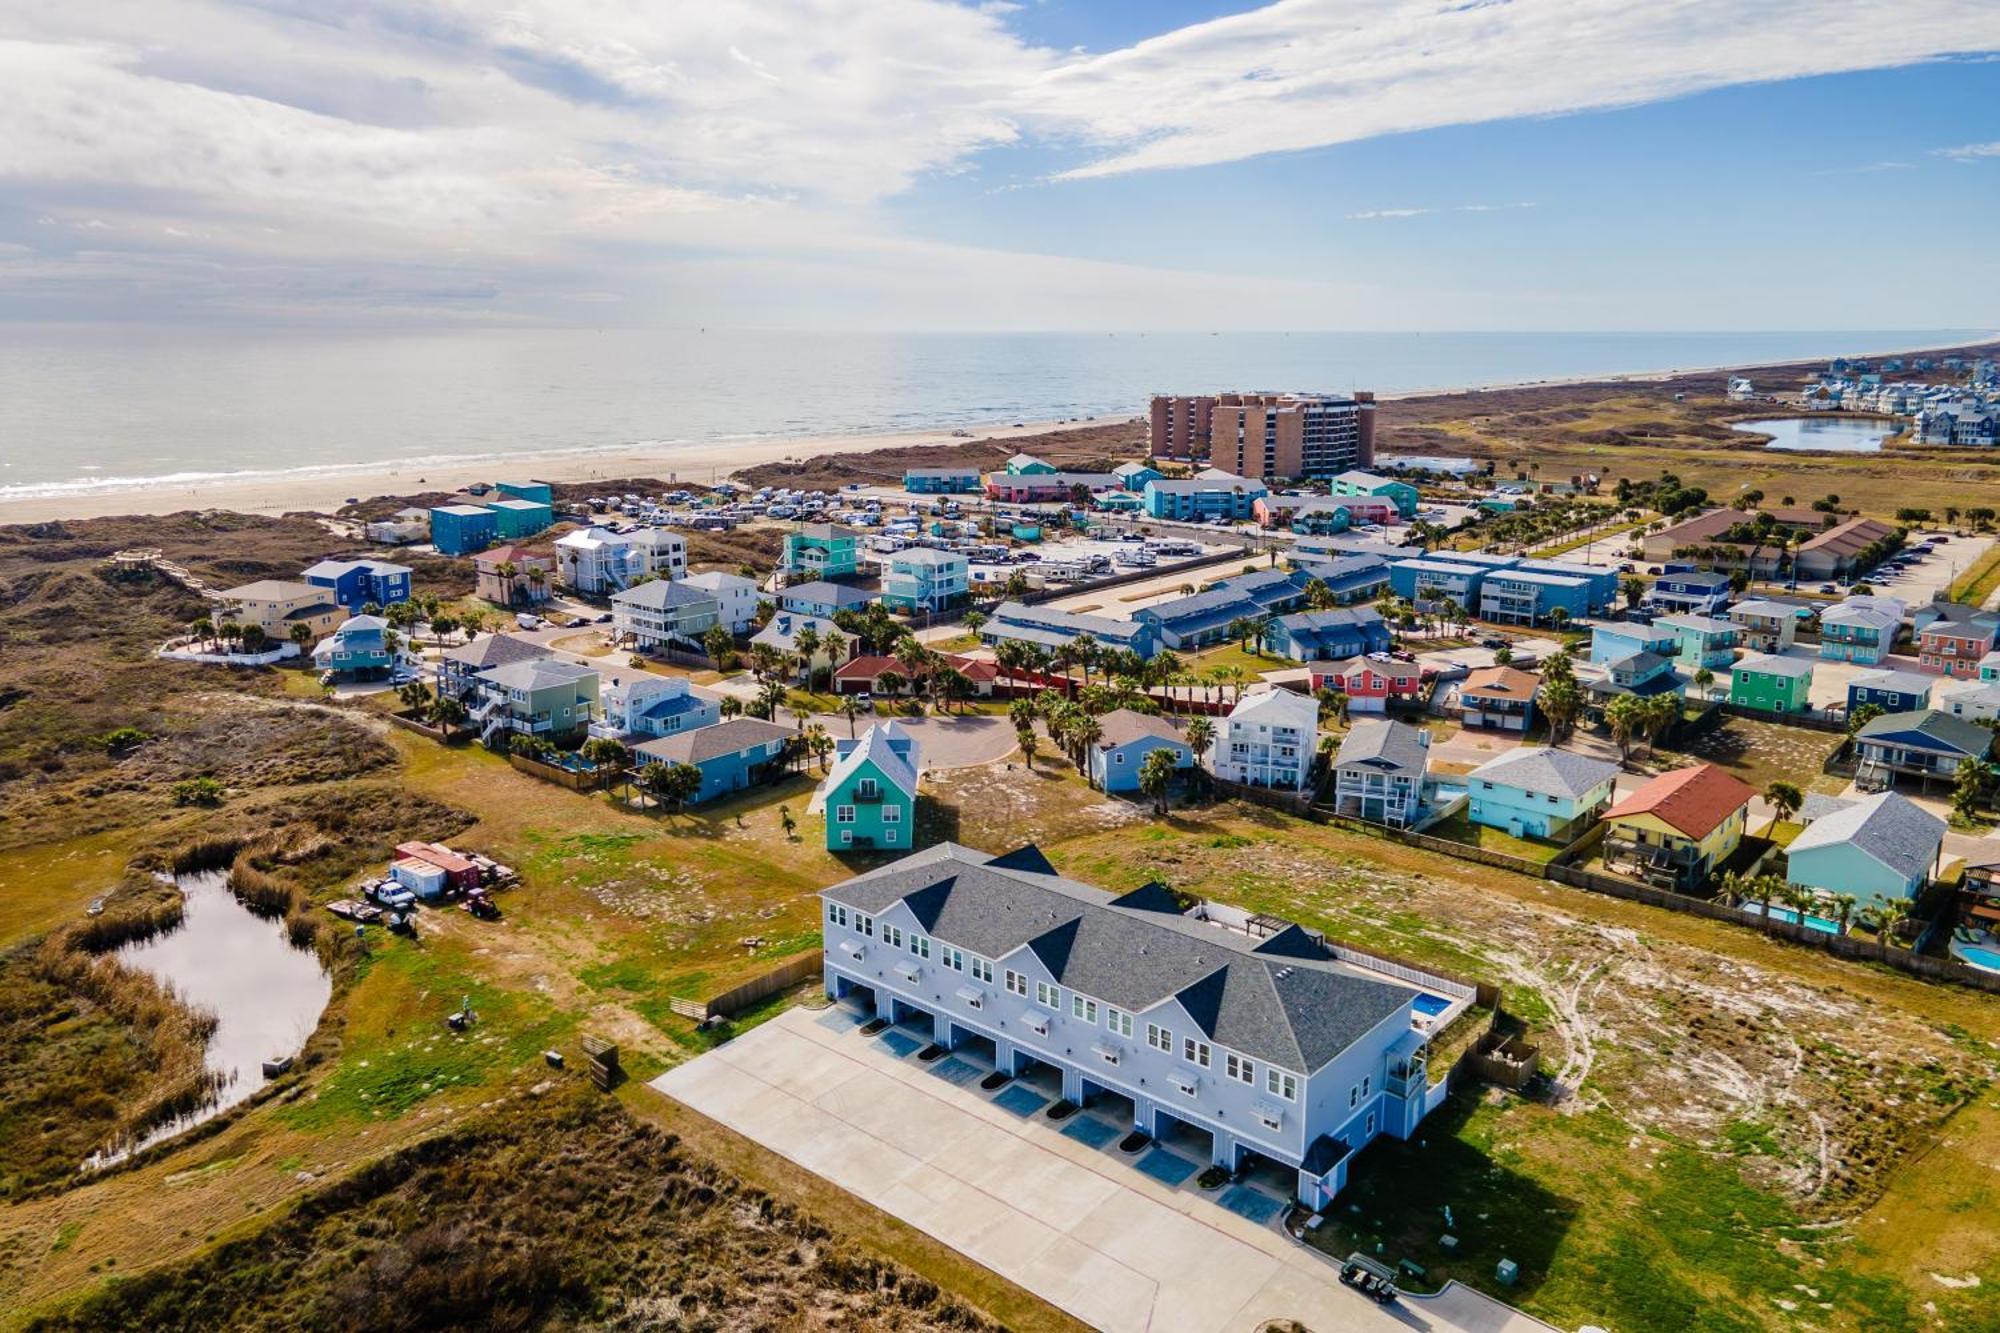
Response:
column 1077, row 1223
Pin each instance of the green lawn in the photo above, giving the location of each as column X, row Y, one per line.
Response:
column 1978, row 583
column 1460, row 828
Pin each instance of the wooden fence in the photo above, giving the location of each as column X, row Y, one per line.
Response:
column 1813, row 720
column 792, row 972
column 587, row 780
column 1561, row 871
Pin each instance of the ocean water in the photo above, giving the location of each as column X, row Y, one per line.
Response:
column 84, row 409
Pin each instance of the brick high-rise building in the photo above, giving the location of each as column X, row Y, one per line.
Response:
column 1267, row 435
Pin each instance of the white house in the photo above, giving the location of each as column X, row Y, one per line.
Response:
column 597, row 560
column 1267, row 740
column 637, row 704
column 735, row 597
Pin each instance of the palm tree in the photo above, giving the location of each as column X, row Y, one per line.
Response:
column 1785, row 798
column 301, row 635
column 448, row 713
column 1026, row 736
column 506, row 569
column 786, row 821
column 1843, row 906
column 1156, row 773
column 203, row 629
column 805, row 646
column 1656, row 715
column 604, row 753
column 1704, row 679
column 850, row 708
column 1888, row 918
column 974, row 619
column 1084, row 732
column 1561, row 702
column 716, row 641
column 1622, row 715
column 1200, row 736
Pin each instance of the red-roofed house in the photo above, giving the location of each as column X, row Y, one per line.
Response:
column 1679, row 828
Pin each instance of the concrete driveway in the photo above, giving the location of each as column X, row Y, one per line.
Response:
column 1075, row 1225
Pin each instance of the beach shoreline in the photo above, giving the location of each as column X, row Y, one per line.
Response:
column 326, row 490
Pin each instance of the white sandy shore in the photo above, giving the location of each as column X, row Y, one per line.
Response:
column 279, row 492
column 324, row 492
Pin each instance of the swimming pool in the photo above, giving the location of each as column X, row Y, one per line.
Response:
column 1988, row 959
column 1791, row 918
column 1430, row 1006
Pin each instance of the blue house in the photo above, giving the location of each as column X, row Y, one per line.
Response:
column 1329, row 636
column 463, row 529
column 1134, row 476
column 1861, row 629
column 1644, row 674
column 540, row 492
column 1199, row 620
column 869, row 796
column 1702, row 641
column 1880, row 849
column 515, row 518
column 356, row 583
column 1703, row 592
column 941, row 480
column 1538, row 792
column 1124, row 740
column 1271, row 1049
column 1213, row 494
column 822, row 599
column 1428, row 582
column 1611, row 641
column 642, row 704
column 735, row 755
column 358, row 650
column 1890, row 691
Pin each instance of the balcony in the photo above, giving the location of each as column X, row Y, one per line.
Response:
column 868, row 796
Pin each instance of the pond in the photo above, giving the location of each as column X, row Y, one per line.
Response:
column 266, row 995
column 1828, row 434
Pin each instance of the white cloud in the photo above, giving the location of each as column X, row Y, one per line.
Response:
column 428, row 150
column 1968, row 152
column 1374, row 214
column 1302, row 74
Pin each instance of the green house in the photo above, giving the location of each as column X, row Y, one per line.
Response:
column 870, row 797
column 1772, row 683
column 822, row 551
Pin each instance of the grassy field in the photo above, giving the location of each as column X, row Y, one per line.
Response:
column 1981, row 581
column 1460, row 828
column 1725, row 1116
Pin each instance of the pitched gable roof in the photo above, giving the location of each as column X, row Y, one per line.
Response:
column 1291, row 1005
column 1547, row 772
column 1693, row 801
column 1888, row 828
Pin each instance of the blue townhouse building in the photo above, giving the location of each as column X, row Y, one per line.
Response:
column 1213, row 494
column 1329, row 636
column 1046, row 628
column 1432, row 582
column 535, row 492
column 1350, row 578
column 1699, row 591
column 942, row 481
column 1261, row 1049
column 1890, row 691
column 1528, row 597
column 1200, row 620
column 1600, row 580
column 356, row 583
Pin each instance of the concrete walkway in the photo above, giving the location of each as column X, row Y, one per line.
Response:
column 1077, row 1226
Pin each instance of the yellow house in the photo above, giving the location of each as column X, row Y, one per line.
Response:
column 275, row 605
column 1679, row 828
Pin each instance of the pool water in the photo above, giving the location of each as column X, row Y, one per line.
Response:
column 1430, row 1006
column 1791, row 918
column 1978, row 957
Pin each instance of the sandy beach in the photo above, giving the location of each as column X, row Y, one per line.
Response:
column 325, row 492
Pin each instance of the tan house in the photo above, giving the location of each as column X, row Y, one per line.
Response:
column 521, row 590
column 275, row 605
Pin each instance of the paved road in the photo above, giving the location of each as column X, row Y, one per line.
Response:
column 1077, row 1226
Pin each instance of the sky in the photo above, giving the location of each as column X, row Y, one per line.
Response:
column 927, row 164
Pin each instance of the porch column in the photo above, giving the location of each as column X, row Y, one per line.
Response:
column 1222, row 1149
column 1003, row 1055
column 1072, row 1080
column 1142, row 1115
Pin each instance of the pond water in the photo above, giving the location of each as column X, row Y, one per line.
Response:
column 1830, row 434
column 266, row 995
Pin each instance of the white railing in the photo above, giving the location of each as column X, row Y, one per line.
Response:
column 1430, row 981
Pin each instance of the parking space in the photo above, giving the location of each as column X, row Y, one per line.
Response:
column 1054, row 1207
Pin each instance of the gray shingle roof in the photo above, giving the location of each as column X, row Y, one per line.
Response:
column 1122, row 726
column 1889, row 828
column 1547, row 772
column 536, row 674
column 1770, row 664
column 1387, row 745
column 496, row 650
column 1939, row 728
column 704, row 743
column 1272, row 1004
column 661, row 595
